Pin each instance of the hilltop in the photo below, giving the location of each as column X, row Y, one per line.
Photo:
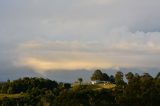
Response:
column 139, row 90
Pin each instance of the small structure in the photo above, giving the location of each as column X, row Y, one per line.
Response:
column 98, row 82
column 95, row 82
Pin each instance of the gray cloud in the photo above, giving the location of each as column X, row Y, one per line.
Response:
column 119, row 33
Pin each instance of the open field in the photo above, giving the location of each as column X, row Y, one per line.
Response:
column 11, row 95
column 107, row 86
column 95, row 86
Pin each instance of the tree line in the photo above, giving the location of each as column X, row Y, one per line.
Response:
column 138, row 90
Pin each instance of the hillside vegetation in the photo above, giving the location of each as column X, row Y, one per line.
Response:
column 141, row 90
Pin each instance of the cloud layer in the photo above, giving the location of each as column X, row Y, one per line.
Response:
column 82, row 34
column 139, row 49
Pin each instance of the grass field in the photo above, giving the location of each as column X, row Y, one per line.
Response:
column 95, row 86
column 11, row 95
column 107, row 86
column 102, row 86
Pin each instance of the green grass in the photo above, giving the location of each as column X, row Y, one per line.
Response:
column 106, row 86
column 102, row 86
column 11, row 96
column 95, row 86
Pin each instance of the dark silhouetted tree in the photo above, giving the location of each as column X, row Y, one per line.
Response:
column 97, row 75
column 112, row 79
column 158, row 76
column 80, row 80
column 105, row 77
column 119, row 78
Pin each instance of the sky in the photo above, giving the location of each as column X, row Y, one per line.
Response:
column 37, row 36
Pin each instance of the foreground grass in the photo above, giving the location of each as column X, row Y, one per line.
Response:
column 14, row 96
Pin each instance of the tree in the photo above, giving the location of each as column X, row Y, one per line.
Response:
column 132, row 90
column 146, row 77
column 97, row 75
column 112, row 79
column 129, row 76
column 10, row 90
column 147, row 89
column 119, row 78
column 80, row 80
column 158, row 75
column 105, row 77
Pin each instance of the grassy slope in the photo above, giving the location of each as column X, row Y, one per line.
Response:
column 102, row 86
column 106, row 86
column 11, row 95
column 95, row 86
